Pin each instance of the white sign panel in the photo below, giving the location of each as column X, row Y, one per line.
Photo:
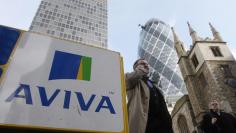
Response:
column 52, row 83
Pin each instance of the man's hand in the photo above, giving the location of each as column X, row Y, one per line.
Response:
column 213, row 120
column 142, row 69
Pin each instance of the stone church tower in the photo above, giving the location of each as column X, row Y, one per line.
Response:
column 209, row 72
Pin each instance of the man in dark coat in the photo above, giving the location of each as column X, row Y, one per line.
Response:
column 217, row 121
column 146, row 105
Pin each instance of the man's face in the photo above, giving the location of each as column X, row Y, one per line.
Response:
column 214, row 105
column 143, row 65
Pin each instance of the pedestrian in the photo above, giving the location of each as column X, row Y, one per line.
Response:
column 217, row 121
column 147, row 109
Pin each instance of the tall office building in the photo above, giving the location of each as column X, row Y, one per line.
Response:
column 157, row 47
column 83, row 21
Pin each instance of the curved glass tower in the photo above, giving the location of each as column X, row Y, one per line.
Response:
column 157, row 47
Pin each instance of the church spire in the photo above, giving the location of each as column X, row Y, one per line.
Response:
column 176, row 38
column 193, row 33
column 215, row 33
column 178, row 44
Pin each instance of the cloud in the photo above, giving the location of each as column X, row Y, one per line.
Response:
column 172, row 21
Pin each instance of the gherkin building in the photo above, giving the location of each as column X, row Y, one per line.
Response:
column 157, row 47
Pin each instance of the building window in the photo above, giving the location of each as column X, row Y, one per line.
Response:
column 216, row 51
column 182, row 124
column 202, row 80
column 227, row 71
column 195, row 60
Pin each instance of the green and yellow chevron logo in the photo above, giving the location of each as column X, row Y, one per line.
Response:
column 70, row 66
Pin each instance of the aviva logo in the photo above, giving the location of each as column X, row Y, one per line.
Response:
column 70, row 66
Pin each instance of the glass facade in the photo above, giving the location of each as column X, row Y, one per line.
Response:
column 157, row 47
column 83, row 21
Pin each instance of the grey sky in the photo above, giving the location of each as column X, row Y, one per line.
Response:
column 125, row 15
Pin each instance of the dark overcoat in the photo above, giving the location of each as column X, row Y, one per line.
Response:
column 225, row 123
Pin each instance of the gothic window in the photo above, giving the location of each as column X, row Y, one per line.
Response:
column 229, row 78
column 195, row 61
column 227, row 71
column 182, row 124
column 216, row 51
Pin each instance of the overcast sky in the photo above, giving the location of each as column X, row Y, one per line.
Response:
column 125, row 15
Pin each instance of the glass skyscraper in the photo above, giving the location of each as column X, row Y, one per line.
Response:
column 157, row 47
column 83, row 21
